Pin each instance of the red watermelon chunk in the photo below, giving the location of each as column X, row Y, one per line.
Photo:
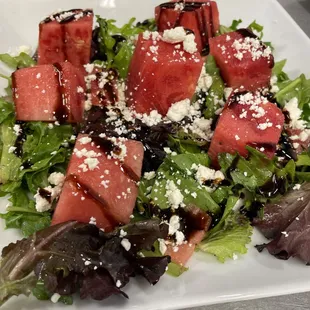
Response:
column 66, row 36
column 102, row 85
column 198, row 222
column 105, row 182
column 35, row 93
column 248, row 119
column 51, row 43
column 161, row 74
column 185, row 251
column 244, row 61
column 202, row 17
column 49, row 93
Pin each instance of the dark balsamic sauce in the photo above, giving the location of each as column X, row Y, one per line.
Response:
column 62, row 112
column 45, row 194
column 285, row 148
column 277, row 185
column 69, row 18
column 91, row 194
column 21, row 138
column 109, row 147
column 247, row 33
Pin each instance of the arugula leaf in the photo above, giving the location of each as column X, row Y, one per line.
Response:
column 278, row 71
column 230, row 236
column 255, row 27
column 116, row 45
column 42, row 153
column 178, row 169
column 299, row 88
column 214, row 99
column 233, row 27
column 23, row 60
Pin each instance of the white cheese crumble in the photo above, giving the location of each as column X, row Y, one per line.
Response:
column 122, row 233
column 126, row 244
column 92, row 221
column 174, row 195
column 55, row 298
column 162, row 246
column 204, row 174
column 179, row 35
column 56, row 178
column 205, row 81
column 85, row 140
column 149, row 175
column 296, row 187
column 179, row 110
column 179, row 237
column 12, row 149
column 17, row 130
column 174, row 224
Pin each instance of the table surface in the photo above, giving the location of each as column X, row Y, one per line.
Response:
column 300, row 11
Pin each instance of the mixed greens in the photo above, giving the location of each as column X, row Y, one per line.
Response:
column 89, row 258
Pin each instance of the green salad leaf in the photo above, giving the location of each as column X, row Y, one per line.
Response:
column 278, row 71
column 215, row 96
column 116, row 45
column 22, row 60
column 45, row 149
column 230, row 236
column 177, row 171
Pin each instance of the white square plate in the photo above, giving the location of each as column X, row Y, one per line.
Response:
column 207, row 282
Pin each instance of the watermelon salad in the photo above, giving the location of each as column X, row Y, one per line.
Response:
column 123, row 150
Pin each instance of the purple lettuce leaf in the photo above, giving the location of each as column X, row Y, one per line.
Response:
column 294, row 241
column 279, row 215
column 74, row 257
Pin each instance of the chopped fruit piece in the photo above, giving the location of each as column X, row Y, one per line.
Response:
column 49, row 93
column 73, row 79
column 35, row 93
column 182, row 253
column 156, row 76
column 245, row 62
column 197, row 220
column 94, row 166
column 248, row 119
column 66, row 36
column 102, row 85
column 75, row 204
column 201, row 17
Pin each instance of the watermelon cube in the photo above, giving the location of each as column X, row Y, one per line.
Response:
column 49, row 93
column 66, row 36
column 98, row 185
column 185, row 251
column 247, row 120
column 161, row 74
column 202, row 17
column 103, row 89
column 197, row 223
column 245, row 62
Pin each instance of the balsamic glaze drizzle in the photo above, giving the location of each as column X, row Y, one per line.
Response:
column 62, row 110
column 91, row 194
column 69, row 18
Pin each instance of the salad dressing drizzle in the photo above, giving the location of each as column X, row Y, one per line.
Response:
column 62, row 110
column 108, row 147
column 91, row 194
column 45, row 194
column 67, row 19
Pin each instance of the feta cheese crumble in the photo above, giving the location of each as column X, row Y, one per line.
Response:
column 174, row 195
